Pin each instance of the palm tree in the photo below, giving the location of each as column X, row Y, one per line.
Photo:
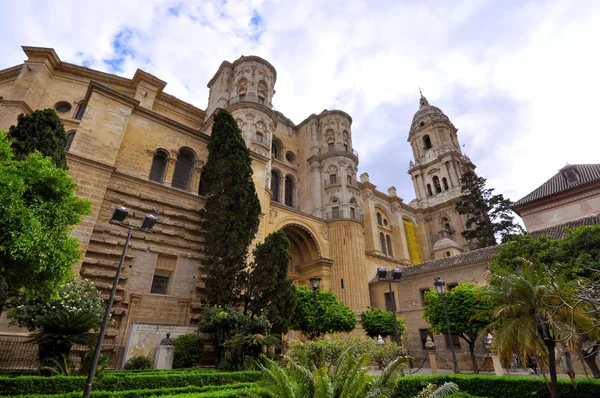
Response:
column 530, row 318
column 348, row 379
column 61, row 330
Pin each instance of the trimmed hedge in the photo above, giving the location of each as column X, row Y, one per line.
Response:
column 147, row 392
column 61, row 384
column 221, row 394
column 501, row 387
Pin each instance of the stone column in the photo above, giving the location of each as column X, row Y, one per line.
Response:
column 433, row 362
column 195, row 183
column 317, row 207
column 170, row 168
column 347, row 249
column 497, row 364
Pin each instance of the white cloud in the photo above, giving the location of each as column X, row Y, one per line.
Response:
column 519, row 79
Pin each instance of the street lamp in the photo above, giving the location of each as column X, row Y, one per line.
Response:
column 118, row 217
column 315, row 281
column 396, row 275
column 440, row 287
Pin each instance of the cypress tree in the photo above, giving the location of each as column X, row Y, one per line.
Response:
column 40, row 131
column 487, row 214
column 271, row 291
column 230, row 218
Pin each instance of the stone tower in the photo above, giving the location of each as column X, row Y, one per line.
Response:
column 436, row 171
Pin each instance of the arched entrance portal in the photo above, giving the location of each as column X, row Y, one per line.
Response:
column 306, row 259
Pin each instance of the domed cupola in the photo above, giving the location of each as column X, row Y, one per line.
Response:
column 427, row 113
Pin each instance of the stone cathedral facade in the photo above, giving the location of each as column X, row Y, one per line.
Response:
column 132, row 144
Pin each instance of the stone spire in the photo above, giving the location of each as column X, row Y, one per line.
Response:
column 422, row 101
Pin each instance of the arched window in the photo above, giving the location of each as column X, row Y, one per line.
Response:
column 436, row 184
column 159, row 164
column 379, row 220
column 448, row 228
column 183, row 169
column 70, row 138
column 427, row 142
column 275, row 183
column 382, row 243
column 80, row 111
column 289, row 191
column 388, row 241
column 429, row 193
column 202, row 188
column 276, row 149
column 445, row 182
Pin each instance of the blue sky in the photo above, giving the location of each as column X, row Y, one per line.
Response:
column 519, row 79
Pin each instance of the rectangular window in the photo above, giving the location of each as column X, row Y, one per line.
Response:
column 424, row 333
column 332, row 178
column 163, row 274
column 422, row 293
column 389, row 301
column 335, row 212
column 160, row 285
column 342, row 283
column 352, row 213
column 455, row 340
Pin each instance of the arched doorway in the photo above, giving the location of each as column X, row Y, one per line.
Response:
column 306, row 259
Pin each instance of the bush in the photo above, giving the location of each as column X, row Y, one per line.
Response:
column 138, row 362
column 64, row 384
column 188, row 351
column 500, row 387
column 158, row 392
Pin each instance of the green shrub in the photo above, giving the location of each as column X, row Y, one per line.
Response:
column 142, row 393
column 501, row 387
column 188, row 351
column 63, row 384
column 138, row 362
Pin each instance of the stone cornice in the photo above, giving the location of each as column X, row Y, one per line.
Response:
column 111, row 93
column 165, row 121
column 287, row 121
column 42, row 54
column 176, row 102
column 238, row 61
column 388, row 259
column 10, row 73
column 292, row 210
column 141, row 76
column 16, row 104
column 99, row 165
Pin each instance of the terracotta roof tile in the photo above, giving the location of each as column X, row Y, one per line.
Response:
column 474, row 256
column 560, row 231
column 587, row 173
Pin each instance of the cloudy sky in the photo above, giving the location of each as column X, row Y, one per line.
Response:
column 517, row 78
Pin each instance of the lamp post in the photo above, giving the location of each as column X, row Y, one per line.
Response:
column 117, row 218
column 440, row 287
column 314, row 283
column 396, row 275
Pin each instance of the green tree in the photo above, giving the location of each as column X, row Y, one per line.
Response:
column 40, row 131
column 466, row 308
column 59, row 331
column 75, row 296
column 488, row 215
column 529, row 317
column 332, row 316
column 188, row 351
column 230, row 218
column 270, row 291
column 223, row 323
column 574, row 258
column 38, row 212
column 378, row 322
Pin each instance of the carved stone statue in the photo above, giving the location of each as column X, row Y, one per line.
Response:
column 167, row 340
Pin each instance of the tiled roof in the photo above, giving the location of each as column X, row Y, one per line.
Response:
column 559, row 231
column 587, row 173
column 474, row 256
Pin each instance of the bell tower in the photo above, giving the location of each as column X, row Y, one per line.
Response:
column 436, row 172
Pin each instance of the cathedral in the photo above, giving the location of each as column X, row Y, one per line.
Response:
column 132, row 144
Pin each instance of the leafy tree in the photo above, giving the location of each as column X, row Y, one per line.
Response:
column 188, row 351
column 529, row 317
column 466, row 307
column 76, row 296
column 230, row 218
column 488, row 215
column 378, row 322
column 40, row 131
column 332, row 316
column 39, row 210
column 223, row 323
column 270, row 291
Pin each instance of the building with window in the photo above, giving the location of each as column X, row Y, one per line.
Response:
column 132, row 144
